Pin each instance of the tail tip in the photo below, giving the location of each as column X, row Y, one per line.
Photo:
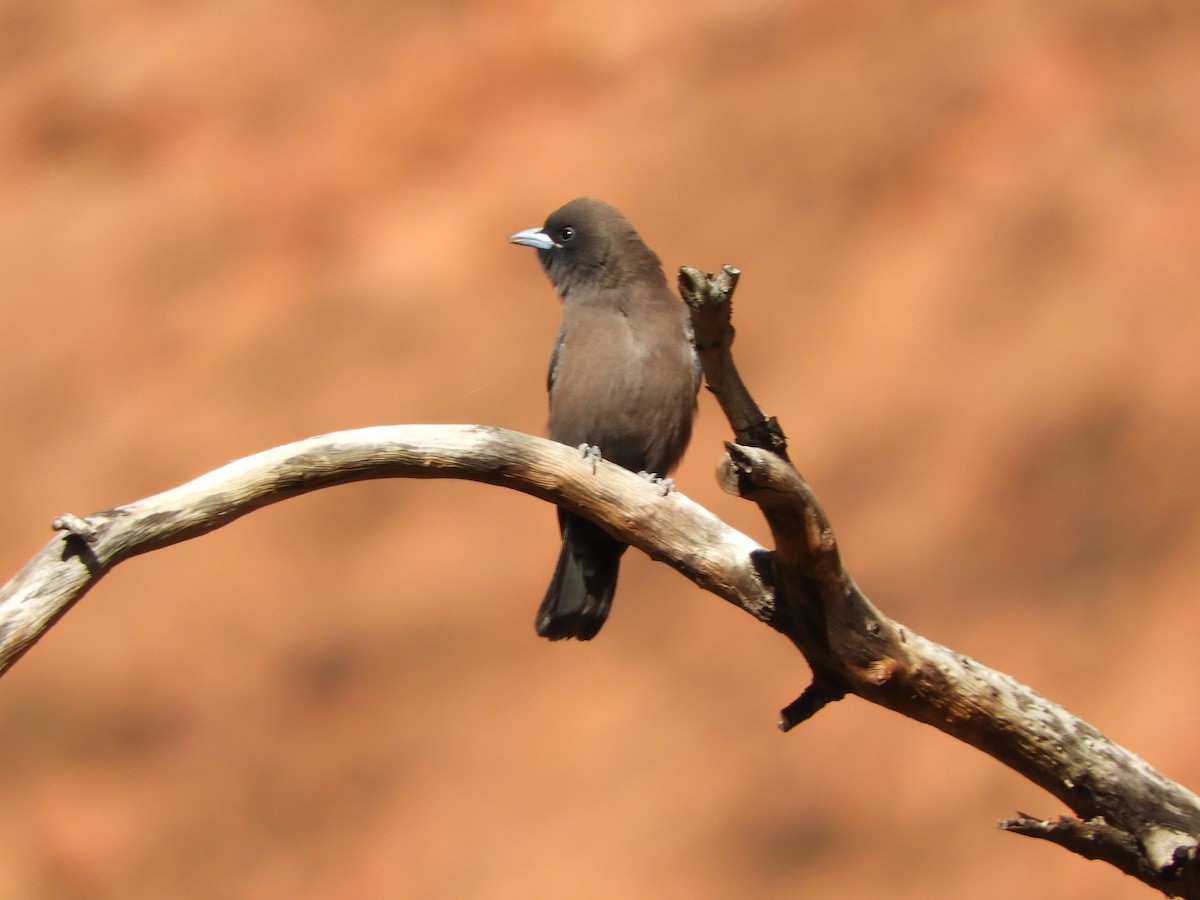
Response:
column 577, row 627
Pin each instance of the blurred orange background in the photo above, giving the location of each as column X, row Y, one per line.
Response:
column 971, row 245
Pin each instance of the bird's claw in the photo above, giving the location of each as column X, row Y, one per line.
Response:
column 666, row 485
column 592, row 453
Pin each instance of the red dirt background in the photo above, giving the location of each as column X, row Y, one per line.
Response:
column 971, row 245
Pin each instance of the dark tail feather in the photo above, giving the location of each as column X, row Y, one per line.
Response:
column 581, row 591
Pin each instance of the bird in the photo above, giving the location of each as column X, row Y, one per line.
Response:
column 623, row 381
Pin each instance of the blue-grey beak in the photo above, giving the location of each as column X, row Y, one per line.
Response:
column 535, row 237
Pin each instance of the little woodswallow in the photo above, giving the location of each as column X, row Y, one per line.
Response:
column 623, row 379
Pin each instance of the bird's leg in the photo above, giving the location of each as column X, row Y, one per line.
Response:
column 666, row 485
column 591, row 452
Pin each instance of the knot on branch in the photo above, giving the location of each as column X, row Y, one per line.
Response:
column 879, row 672
column 80, row 527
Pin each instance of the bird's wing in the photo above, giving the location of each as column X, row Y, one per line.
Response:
column 558, row 342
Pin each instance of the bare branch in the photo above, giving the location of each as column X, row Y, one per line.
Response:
column 854, row 648
column 710, row 301
column 672, row 529
column 1128, row 814
column 1096, row 839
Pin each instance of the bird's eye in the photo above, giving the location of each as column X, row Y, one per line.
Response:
column 566, row 234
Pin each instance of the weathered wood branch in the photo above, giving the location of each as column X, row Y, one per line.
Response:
column 1094, row 839
column 671, row 528
column 852, row 647
column 710, row 302
column 1128, row 814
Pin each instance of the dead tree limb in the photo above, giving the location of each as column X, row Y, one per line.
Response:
column 1128, row 814
column 672, row 528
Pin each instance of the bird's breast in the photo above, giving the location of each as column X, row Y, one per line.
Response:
column 625, row 382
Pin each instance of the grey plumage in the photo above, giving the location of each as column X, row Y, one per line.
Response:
column 623, row 378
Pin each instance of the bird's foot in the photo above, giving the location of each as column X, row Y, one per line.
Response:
column 666, row 485
column 592, row 453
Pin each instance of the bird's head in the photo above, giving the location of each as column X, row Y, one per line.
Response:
column 587, row 241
